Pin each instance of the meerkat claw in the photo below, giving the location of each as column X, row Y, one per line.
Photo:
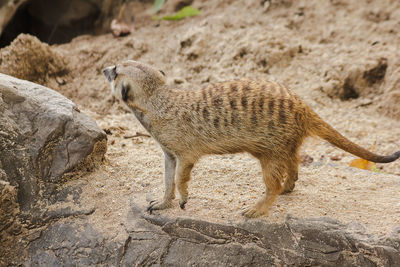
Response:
column 288, row 188
column 156, row 205
column 149, row 209
column 182, row 205
column 246, row 214
column 252, row 213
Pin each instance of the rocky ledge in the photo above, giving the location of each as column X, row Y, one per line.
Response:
column 155, row 240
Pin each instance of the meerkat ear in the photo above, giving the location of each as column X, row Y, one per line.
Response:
column 124, row 91
column 110, row 73
column 162, row 72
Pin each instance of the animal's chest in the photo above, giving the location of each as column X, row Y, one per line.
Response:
column 152, row 125
column 143, row 119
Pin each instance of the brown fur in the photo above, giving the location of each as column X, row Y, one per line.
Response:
column 262, row 118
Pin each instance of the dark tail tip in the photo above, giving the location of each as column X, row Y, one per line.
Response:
column 391, row 158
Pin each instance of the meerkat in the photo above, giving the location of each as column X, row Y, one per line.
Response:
column 263, row 118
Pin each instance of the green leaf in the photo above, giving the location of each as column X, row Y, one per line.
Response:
column 158, row 4
column 187, row 11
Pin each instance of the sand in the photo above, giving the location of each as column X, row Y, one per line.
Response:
column 313, row 47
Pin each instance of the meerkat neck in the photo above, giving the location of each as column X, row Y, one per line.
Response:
column 163, row 101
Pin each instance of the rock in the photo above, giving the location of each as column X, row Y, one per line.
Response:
column 43, row 137
column 168, row 241
column 72, row 244
column 9, row 221
column 306, row 160
column 9, row 208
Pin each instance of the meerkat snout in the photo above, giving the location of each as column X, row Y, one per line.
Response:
column 110, row 73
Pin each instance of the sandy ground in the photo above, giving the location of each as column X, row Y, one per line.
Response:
column 312, row 47
column 238, row 39
column 223, row 186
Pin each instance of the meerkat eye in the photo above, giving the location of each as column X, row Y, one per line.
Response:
column 162, row 72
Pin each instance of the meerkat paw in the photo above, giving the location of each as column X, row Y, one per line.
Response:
column 158, row 205
column 288, row 188
column 290, row 184
column 253, row 212
column 182, row 202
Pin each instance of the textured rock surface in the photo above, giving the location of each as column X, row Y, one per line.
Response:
column 43, row 136
column 166, row 241
column 72, row 244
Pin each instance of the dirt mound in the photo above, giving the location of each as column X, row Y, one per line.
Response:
column 362, row 79
column 29, row 59
column 375, row 81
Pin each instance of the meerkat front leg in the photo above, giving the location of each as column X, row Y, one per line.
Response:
column 169, row 180
column 183, row 169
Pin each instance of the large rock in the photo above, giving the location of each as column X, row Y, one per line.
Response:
column 43, row 137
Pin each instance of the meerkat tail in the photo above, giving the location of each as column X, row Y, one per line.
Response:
column 325, row 131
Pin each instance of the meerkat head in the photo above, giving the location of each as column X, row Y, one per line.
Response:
column 134, row 82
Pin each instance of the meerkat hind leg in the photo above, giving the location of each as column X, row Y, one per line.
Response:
column 169, row 179
column 272, row 176
column 183, row 170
